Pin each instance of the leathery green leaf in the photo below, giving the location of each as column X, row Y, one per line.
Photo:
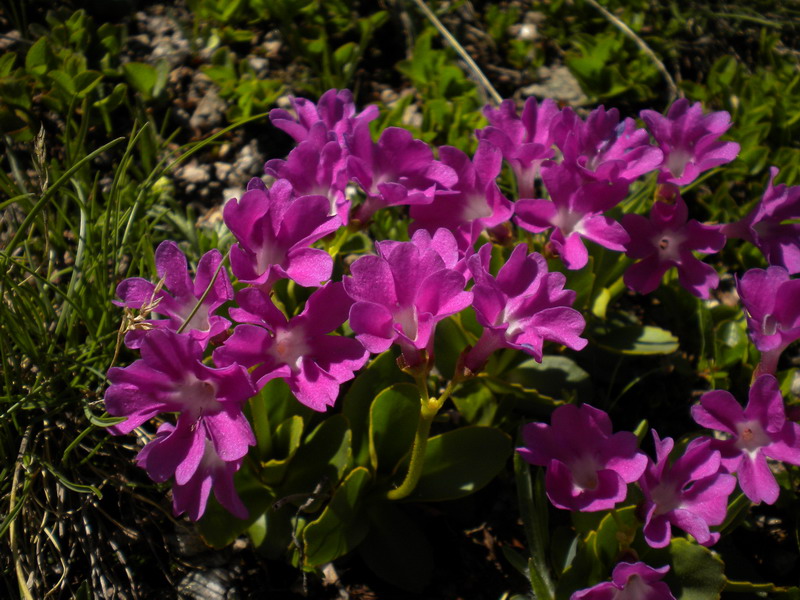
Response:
column 392, row 422
column 342, row 525
column 460, row 462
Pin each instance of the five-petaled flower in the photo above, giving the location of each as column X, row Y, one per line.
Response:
column 772, row 225
column 275, row 231
column 576, row 211
column 402, row 292
column 691, row 493
column 667, row 240
column 171, row 377
column 210, row 289
column 588, row 467
column 313, row 363
column 689, row 140
column 522, row 307
column 771, row 301
column 757, row 432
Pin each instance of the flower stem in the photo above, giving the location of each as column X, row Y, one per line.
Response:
column 429, row 408
column 426, row 416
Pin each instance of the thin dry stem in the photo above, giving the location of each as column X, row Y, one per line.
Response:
column 674, row 92
column 476, row 70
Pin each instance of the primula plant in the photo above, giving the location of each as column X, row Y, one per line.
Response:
column 341, row 376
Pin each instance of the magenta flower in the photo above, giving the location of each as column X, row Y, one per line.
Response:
column 274, row 231
column 396, row 170
column 169, row 453
column 402, row 293
column 476, row 202
column 667, row 241
column 316, row 170
column 522, row 307
column 575, row 211
column 334, row 114
column 771, row 302
column 758, row 432
column 180, row 297
column 588, row 467
column 313, row 363
column 630, row 581
column 689, row 140
column 525, row 141
column 171, row 378
column 602, row 148
column 764, row 227
column 692, row 493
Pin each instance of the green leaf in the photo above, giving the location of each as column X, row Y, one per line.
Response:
column 379, row 374
column 634, row 339
column 285, row 442
column 580, row 281
column 39, row 57
column 85, row 82
column 396, row 549
column 555, row 377
column 325, row 454
column 141, row 77
column 342, row 525
column 345, row 54
column 393, row 420
column 271, row 532
column 114, row 99
column 220, row 528
column 748, row 587
column 533, row 508
column 696, row 574
column 281, row 403
column 7, row 63
column 63, row 81
column 460, row 462
column 450, row 340
column 476, row 402
column 605, row 544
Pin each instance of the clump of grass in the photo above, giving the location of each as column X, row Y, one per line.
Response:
column 80, row 216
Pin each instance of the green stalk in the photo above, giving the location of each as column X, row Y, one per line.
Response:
column 426, row 416
column 427, row 413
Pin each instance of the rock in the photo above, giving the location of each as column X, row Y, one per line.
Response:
column 557, row 83
column 209, row 112
column 259, row 64
column 193, row 173
column 211, row 584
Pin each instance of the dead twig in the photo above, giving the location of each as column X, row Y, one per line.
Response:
column 674, row 92
column 453, row 42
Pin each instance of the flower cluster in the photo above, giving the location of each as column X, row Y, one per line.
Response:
column 198, row 369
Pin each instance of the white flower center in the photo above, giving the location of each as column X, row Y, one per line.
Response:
column 289, row 346
column 198, row 396
column 669, row 245
column 475, row 208
column 635, row 588
column 568, row 221
column 677, row 161
column 406, row 317
column 665, row 497
column 769, row 325
column 584, row 472
column 268, row 256
column 751, row 437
